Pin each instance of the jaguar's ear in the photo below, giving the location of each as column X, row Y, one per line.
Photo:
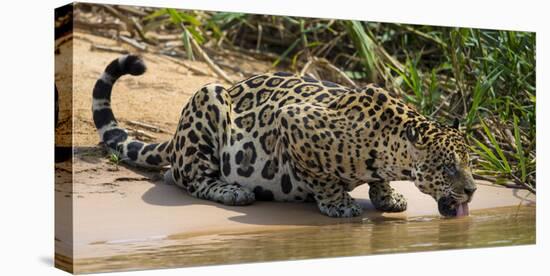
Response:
column 456, row 123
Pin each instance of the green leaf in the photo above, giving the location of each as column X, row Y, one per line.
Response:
column 196, row 34
column 156, row 14
column 175, row 16
column 286, row 52
column 356, row 75
column 181, row 17
column 487, row 154
column 520, row 153
column 480, row 89
column 190, row 19
column 364, row 46
column 494, row 142
column 187, row 44
column 402, row 74
column 225, row 18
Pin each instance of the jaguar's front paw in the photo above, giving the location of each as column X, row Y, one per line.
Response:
column 340, row 209
column 394, row 202
column 235, row 195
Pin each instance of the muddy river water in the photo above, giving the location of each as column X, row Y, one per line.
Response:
column 503, row 226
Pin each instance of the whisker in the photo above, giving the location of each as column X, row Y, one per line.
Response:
column 458, row 196
column 455, row 194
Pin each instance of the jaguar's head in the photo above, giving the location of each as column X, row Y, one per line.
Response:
column 441, row 165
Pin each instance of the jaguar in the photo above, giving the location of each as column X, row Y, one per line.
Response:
column 283, row 137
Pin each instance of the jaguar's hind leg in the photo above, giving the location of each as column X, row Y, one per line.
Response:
column 203, row 129
column 219, row 191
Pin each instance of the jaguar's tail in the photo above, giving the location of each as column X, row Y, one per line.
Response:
column 114, row 137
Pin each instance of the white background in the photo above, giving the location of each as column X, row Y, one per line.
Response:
column 26, row 135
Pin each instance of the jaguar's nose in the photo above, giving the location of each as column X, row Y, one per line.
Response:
column 470, row 190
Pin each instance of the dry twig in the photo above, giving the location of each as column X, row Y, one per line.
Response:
column 147, row 126
column 98, row 47
column 129, row 24
column 325, row 64
column 188, row 67
column 132, row 42
column 132, row 10
column 141, row 134
column 206, row 58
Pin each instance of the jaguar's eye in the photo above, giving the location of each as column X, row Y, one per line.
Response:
column 450, row 169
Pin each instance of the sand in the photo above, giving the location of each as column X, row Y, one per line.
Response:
column 115, row 203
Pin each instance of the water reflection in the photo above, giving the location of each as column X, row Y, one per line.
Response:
column 495, row 227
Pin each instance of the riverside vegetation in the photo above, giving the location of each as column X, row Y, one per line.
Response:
column 485, row 78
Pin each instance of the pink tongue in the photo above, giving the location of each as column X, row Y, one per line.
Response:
column 462, row 210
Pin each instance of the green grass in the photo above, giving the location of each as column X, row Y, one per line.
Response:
column 114, row 159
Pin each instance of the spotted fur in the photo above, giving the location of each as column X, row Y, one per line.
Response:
column 282, row 137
